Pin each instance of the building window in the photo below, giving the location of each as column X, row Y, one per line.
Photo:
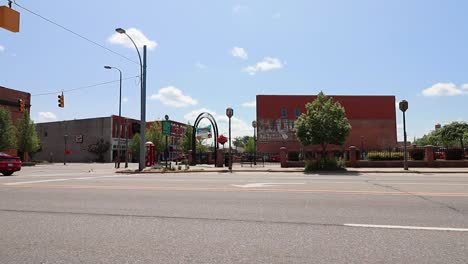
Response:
column 297, row 112
column 45, row 134
column 284, row 113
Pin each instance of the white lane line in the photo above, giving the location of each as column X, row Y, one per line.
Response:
column 265, row 184
column 66, row 179
column 410, row 227
column 28, row 182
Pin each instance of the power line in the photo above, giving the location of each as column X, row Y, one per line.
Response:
column 74, row 33
column 86, row 87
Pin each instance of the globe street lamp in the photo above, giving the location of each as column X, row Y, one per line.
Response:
column 254, row 125
column 229, row 114
column 119, row 131
column 141, row 164
column 403, row 107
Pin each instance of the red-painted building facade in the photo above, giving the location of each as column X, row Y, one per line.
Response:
column 373, row 121
column 9, row 99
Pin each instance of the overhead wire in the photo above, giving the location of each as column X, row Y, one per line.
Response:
column 86, row 87
column 73, row 32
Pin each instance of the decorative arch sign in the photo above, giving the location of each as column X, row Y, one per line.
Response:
column 214, row 126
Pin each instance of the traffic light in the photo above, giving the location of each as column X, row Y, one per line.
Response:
column 61, row 101
column 22, row 106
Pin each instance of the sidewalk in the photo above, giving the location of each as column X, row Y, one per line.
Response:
column 277, row 168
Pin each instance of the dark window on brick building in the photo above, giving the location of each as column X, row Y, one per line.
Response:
column 284, row 113
column 297, row 112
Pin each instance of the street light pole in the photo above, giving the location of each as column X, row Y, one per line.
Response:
column 229, row 114
column 403, row 107
column 254, row 125
column 119, row 129
column 141, row 164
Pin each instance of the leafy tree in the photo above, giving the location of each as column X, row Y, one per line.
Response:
column 7, row 130
column 250, row 145
column 99, row 148
column 323, row 123
column 185, row 143
column 27, row 140
column 135, row 145
column 455, row 131
column 238, row 142
column 154, row 134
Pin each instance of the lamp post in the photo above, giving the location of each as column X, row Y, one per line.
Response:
column 119, row 130
column 254, row 125
column 141, row 164
column 229, row 114
column 166, row 117
column 403, row 107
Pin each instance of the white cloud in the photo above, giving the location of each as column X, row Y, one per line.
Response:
column 2, row 48
column 239, row 53
column 47, row 117
column 250, row 104
column 443, row 89
column 267, row 64
column 172, row 96
column 137, row 36
column 200, row 66
column 124, row 99
column 238, row 127
column 465, row 86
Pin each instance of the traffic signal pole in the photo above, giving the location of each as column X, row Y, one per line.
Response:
column 141, row 165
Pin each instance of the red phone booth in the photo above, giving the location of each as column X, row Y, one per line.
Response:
column 150, row 154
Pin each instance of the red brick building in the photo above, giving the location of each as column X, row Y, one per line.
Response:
column 9, row 99
column 373, row 121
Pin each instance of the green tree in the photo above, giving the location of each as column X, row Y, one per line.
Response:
column 455, row 131
column 250, row 146
column 185, row 143
column 99, row 148
column 7, row 130
column 323, row 123
column 27, row 140
column 134, row 145
column 238, row 142
column 154, row 134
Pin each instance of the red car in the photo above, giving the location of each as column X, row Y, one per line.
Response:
column 9, row 164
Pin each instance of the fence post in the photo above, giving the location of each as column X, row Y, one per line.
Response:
column 352, row 157
column 284, row 157
column 429, row 156
column 219, row 158
column 190, row 157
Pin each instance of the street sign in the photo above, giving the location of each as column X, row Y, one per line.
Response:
column 166, row 128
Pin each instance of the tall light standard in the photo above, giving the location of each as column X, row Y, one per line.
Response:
column 403, row 107
column 229, row 114
column 141, row 164
column 254, row 125
column 119, row 130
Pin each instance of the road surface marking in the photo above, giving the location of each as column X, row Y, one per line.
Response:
column 264, row 190
column 410, row 227
column 266, row 184
column 64, row 179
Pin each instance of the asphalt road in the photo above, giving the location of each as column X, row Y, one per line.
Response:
column 79, row 215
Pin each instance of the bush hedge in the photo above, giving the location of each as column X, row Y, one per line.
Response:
column 381, row 155
column 417, row 154
column 326, row 164
column 454, row 154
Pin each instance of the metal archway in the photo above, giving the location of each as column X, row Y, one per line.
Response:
column 194, row 132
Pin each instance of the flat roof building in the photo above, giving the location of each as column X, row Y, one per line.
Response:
column 373, row 121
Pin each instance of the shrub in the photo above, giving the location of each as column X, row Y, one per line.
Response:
column 417, row 154
column 326, row 164
column 381, row 155
column 454, row 154
column 293, row 156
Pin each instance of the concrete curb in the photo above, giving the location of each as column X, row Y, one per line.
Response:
column 286, row 171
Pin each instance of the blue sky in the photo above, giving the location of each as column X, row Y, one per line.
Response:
column 214, row 54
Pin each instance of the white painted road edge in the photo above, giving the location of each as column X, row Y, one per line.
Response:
column 410, row 227
column 265, row 184
column 65, row 179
